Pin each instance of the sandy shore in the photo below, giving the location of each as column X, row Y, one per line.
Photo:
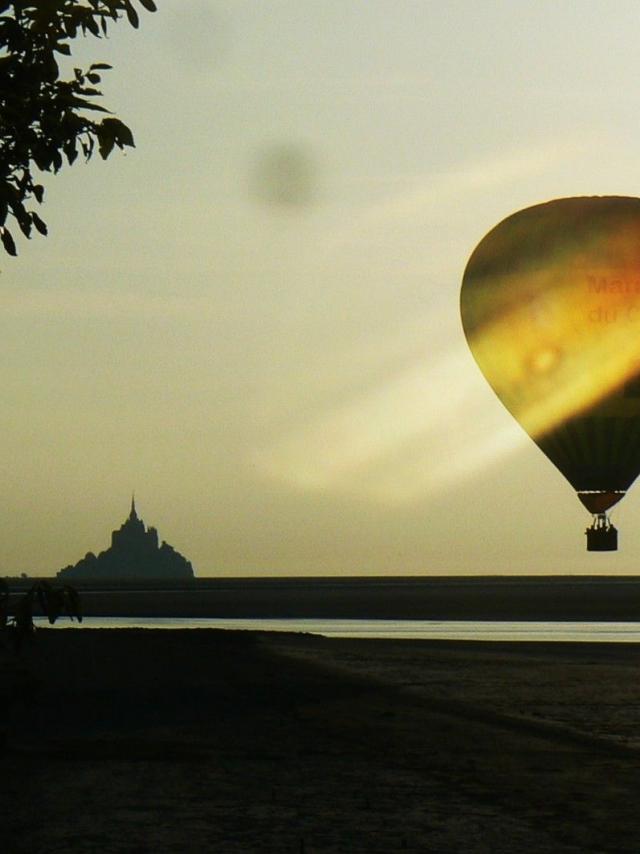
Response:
column 210, row 741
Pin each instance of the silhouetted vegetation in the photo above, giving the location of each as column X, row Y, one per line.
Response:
column 43, row 118
column 53, row 602
column 16, row 625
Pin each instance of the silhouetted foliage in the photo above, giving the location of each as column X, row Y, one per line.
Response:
column 52, row 601
column 43, row 118
column 15, row 684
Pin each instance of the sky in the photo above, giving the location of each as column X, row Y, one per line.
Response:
column 252, row 318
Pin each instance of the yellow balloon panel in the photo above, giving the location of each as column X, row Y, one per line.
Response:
column 550, row 307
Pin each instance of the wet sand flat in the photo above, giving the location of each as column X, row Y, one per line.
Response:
column 391, row 598
column 203, row 740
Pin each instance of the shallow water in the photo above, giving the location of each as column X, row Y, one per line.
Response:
column 472, row 630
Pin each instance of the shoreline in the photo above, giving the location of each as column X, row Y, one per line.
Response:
column 570, row 598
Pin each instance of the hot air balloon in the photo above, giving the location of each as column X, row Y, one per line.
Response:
column 550, row 306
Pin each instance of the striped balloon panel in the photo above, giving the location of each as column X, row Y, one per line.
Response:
column 596, row 452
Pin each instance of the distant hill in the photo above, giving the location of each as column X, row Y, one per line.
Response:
column 134, row 555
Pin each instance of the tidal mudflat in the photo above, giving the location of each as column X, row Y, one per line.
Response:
column 205, row 740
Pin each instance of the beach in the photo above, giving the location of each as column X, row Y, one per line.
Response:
column 208, row 740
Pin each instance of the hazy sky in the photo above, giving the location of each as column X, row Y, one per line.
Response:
column 252, row 319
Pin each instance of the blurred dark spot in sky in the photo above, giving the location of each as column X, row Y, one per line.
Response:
column 284, row 175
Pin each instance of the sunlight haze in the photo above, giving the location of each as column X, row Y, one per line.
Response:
column 252, row 319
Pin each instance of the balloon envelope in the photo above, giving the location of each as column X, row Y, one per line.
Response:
column 550, row 306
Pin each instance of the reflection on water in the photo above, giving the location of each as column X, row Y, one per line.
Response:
column 468, row 630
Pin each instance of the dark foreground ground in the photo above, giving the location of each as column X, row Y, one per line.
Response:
column 210, row 741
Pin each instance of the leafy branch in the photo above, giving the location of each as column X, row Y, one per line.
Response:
column 45, row 120
column 52, row 602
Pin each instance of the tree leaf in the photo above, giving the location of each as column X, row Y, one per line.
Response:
column 71, row 151
column 113, row 132
column 149, row 5
column 132, row 15
column 125, row 137
column 73, row 602
column 7, row 242
column 42, row 592
column 90, row 24
column 25, row 226
column 106, row 144
column 84, row 105
column 39, row 224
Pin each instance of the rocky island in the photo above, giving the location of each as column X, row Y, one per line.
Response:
column 134, row 554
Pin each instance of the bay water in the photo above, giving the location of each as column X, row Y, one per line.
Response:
column 467, row 630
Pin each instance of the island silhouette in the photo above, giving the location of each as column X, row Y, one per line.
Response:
column 134, row 554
